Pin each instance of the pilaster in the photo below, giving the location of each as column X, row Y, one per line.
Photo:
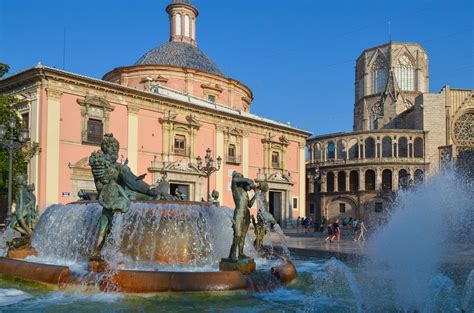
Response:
column 52, row 146
column 133, row 137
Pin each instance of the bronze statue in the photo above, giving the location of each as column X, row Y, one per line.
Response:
column 265, row 219
column 260, row 232
column 116, row 186
column 241, row 220
column 25, row 213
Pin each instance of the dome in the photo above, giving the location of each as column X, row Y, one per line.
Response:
column 180, row 54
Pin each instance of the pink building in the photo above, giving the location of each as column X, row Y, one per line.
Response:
column 165, row 110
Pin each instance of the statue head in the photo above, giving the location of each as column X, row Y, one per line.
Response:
column 21, row 179
column 110, row 146
column 236, row 174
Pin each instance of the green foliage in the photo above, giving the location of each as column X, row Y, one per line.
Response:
column 21, row 157
column 3, row 69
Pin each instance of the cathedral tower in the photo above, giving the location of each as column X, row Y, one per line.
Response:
column 388, row 78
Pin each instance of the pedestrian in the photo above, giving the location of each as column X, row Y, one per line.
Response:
column 307, row 223
column 302, row 223
column 324, row 221
column 362, row 231
column 329, row 231
column 336, row 229
column 298, row 223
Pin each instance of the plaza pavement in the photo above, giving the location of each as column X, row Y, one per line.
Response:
column 312, row 244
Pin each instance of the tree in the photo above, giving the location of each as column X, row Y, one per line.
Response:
column 21, row 157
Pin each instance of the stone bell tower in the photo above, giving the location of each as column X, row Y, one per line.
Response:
column 182, row 21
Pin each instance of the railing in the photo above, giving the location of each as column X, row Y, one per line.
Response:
column 232, row 159
column 381, row 160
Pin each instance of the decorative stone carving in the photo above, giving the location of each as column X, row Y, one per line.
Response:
column 97, row 108
column 463, row 129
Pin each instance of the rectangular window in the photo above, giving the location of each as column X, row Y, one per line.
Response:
column 311, row 208
column 295, row 203
column 95, row 130
column 378, row 206
column 232, row 155
column 180, row 144
column 275, row 160
column 342, row 208
column 25, row 118
column 211, row 98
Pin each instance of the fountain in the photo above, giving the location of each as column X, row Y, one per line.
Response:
column 139, row 239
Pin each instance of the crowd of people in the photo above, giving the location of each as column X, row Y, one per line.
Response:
column 333, row 230
column 304, row 223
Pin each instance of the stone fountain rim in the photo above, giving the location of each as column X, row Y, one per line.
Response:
column 198, row 203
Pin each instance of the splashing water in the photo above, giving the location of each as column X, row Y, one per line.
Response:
column 336, row 281
column 468, row 296
column 408, row 251
column 149, row 236
column 262, row 206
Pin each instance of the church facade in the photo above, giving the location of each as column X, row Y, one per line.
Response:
column 401, row 133
column 166, row 110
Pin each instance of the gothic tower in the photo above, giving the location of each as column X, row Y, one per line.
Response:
column 388, row 78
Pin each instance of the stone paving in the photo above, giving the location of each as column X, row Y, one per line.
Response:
column 312, row 244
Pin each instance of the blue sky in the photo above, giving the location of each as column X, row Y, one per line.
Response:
column 297, row 56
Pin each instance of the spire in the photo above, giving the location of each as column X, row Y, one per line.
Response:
column 182, row 21
column 392, row 93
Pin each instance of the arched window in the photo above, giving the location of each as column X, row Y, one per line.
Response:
column 331, row 151
column 369, row 180
column 418, row 143
column 402, row 147
column 387, row 180
column 317, row 152
column 186, row 25
column 387, row 147
column 354, row 181
column 419, row 177
column 353, row 149
column 405, row 72
column 341, row 181
column 177, row 24
column 341, row 150
column 330, row 182
column 403, row 179
column 369, row 147
column 379, row 75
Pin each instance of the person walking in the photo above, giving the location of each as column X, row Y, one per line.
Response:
column 329, row 231
column 362, row 231
column 298, row 223
column 336, row 229
column 324, row 221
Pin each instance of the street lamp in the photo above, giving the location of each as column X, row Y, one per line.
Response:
column 315, row 179
column 208, row 168
column 11, row 144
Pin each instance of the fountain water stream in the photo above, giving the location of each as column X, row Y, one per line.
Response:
column 150, row 236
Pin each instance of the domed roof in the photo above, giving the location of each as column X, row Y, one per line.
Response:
column 180, row 54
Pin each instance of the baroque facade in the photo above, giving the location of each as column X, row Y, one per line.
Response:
column 401, row 133
column 165, row 110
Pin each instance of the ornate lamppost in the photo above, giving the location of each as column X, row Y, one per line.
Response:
column 12, row 144
column 208, row 168
column 315, row 179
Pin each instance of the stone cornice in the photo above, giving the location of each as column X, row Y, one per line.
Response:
column 145, row 100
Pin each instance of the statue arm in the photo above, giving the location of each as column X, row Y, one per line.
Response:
column 245, row 181
column 252, row 201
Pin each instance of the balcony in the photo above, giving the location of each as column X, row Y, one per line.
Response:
column 232, row 159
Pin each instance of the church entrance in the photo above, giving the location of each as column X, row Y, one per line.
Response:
column 274, row 203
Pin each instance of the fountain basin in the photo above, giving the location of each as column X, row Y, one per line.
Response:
column 135, row 281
